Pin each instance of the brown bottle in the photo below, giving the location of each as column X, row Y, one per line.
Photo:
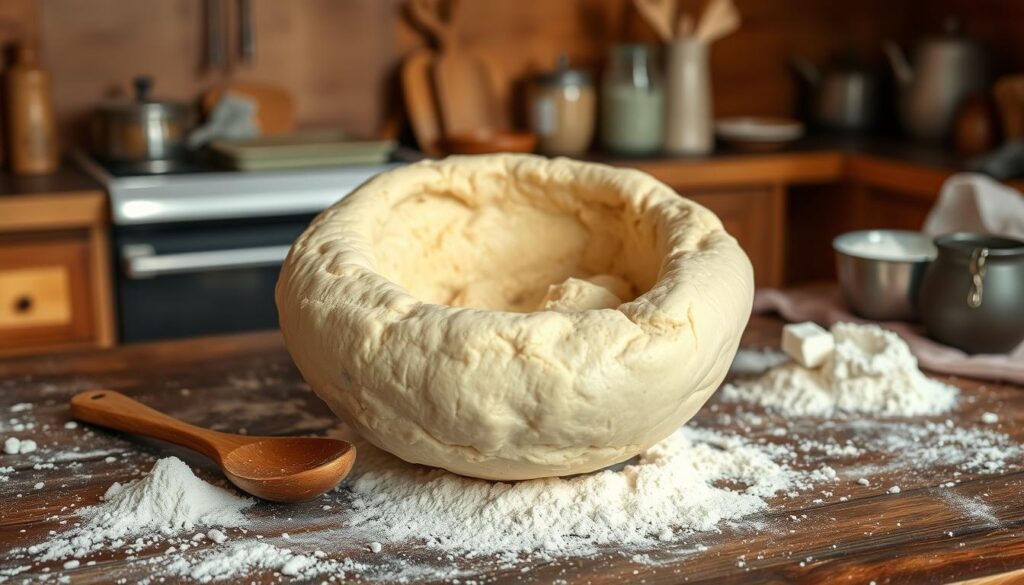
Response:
column 32, row 130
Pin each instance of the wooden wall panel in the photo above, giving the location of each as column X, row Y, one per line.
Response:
column 339, row 56
column 334, row 56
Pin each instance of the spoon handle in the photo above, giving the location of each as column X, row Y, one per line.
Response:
column 114, row 410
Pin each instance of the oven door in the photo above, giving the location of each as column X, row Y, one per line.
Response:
column 183, row 280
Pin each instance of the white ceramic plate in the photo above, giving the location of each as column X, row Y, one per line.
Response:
column 753, row 129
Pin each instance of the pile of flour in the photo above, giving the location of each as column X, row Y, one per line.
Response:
column 674, row 487
column 168, row 500
column 870, row 371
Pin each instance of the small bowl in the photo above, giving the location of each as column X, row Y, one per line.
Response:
column 491, row 141
column 880, row 271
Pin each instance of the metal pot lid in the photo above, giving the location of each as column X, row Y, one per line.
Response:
column 143, row 105
column 564, row 75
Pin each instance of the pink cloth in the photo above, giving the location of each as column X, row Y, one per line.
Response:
column 826, row 307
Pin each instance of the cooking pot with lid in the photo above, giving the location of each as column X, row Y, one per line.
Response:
column 143, row 131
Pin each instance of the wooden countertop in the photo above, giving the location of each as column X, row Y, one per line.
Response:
column 66, row 199
column 248, row 380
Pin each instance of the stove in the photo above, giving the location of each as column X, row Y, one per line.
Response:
column 198, row 248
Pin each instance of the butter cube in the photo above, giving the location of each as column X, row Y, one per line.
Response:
column 807, row 343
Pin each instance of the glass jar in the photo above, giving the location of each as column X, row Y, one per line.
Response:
column 563, row 105
column 632, row 102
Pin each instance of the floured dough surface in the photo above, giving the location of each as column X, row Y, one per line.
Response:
column 510, row 316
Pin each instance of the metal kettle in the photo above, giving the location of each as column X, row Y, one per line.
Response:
column 946, row 69
column 842, row 96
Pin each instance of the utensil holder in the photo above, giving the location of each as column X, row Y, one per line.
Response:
column 689, row 113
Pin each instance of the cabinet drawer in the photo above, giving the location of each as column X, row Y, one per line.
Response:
column 45, row 293
column 34, row 297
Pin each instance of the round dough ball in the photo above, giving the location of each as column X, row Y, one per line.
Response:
column 410, row 308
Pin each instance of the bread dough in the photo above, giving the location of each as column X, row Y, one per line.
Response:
column 410, row 307
column 577, row 294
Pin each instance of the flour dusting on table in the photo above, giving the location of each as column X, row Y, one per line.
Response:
column 735, row 469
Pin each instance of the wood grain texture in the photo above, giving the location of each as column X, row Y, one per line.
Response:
column 248, row 380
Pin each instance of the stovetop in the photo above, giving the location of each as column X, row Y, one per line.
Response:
column 196, row 190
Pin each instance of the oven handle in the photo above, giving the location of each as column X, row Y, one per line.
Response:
column 141, row 261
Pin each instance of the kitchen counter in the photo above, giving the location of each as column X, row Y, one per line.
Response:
column 857, row 534
column 815, row 159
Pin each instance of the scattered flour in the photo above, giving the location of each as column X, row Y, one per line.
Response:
column 168, row 500
column 16, row 446
column 674, row 487
column 871, row 371
column 238, row 560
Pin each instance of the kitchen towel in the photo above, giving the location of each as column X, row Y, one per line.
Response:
column 969, row 202
column 826, row 306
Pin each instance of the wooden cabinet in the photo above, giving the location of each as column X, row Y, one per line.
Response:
column 45, row 293
column 752, row 217
column 55, row 281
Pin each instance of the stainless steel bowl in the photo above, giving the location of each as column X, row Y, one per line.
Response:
column 881, row 270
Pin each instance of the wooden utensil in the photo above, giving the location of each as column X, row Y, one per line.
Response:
column 420, row 105
column 275, row 107
column 719, row 19
column 660, row 14
column 279, row 469
column 685, row 27
column 464, row 86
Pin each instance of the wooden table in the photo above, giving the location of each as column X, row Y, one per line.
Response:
column 249, row 381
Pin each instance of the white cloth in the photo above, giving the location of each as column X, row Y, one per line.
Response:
column 970, row 202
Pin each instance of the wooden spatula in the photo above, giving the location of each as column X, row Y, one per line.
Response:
column 462, row 82
column 279, row 469
column 420, row 105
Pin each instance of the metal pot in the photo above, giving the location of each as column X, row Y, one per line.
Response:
column 972, row 296
column 145, row 132
column 843, row 97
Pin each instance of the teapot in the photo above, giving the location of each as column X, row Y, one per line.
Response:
column 946, row 69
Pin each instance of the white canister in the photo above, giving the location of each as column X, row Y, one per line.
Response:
column 689, row 126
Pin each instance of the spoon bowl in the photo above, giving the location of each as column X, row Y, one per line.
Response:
column 289, row 469
column 279, row 469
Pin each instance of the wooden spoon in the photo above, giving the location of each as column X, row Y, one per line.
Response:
column 279, row 469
